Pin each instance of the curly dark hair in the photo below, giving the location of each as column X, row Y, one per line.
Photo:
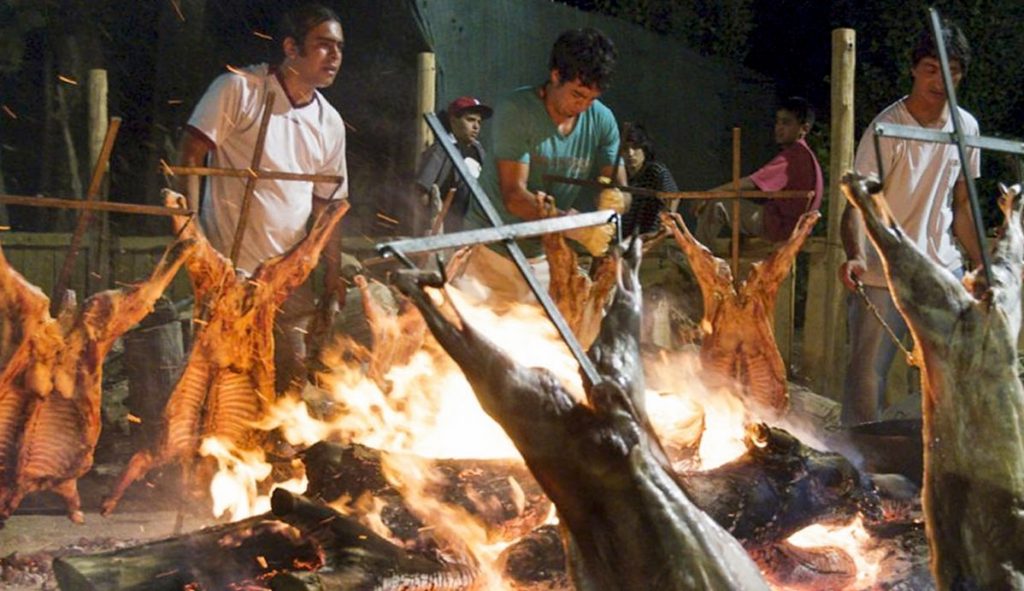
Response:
column 957, row 47
column 299, row 21
column 584, row 54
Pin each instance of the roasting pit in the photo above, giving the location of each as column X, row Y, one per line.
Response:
column 532, row 563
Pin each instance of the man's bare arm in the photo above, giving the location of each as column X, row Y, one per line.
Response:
column 963, row 223
column 851, row 231
column 519, row 201
column 192, row 151
column 745, row 185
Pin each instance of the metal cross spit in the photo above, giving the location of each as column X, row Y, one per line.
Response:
column 505, row 234
column 958, row 137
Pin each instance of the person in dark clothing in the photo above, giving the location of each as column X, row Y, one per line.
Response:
column 644, row 172
column 464, row 119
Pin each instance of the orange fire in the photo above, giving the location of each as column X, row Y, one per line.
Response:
column 431, row 412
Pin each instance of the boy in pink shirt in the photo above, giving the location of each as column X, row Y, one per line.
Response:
column 794, row 168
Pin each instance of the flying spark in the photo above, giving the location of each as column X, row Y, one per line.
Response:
column 67, row 80
column 9, row 112
column 177, row 9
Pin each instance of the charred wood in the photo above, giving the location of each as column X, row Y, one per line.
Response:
column 500, row 493
column 536, row 561
column 807, row 569
column 780, row 486
column 212, row 558
column 357, row 558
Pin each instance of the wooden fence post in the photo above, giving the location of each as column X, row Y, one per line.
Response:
column 841, row 160
column 99, row 265
column 426, row 90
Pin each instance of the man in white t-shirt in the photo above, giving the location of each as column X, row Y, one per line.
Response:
column 925, row 187
column 305, row 135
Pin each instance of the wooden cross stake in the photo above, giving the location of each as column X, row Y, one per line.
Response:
column 85, row 216
column 252, row 174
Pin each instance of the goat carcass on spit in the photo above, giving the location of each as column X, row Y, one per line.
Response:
column 965, row 337
column 629, row 523
column 739, row 343
column 228, row 381
column 51, row 385
column 580, row 297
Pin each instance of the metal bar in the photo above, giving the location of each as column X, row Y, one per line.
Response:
column 99, row 170
column 250, row 184
column 550, row 178
column 958, row 134
column 91, row 205
column 586, row 366
column 909, row 132
column 498, row 233
column 259, row 174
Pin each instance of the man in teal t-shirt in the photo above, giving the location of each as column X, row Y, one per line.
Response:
column 558, row 128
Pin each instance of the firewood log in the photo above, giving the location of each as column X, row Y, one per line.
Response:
column 357, row 558
column 212, row 558
column 501, row 493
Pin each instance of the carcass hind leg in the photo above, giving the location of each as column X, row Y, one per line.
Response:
column 137, row 467
column 68, row 490
column 937, row 296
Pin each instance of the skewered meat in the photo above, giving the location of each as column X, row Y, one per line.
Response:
column 738, row 340
column 396, row 337
column 51, row 388
column 965, row 339
column 580, row 298
column 629, row 524
column 229, row 379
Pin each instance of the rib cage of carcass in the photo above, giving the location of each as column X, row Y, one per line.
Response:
column 739, row 343
column 51, row 383
column 228, row 381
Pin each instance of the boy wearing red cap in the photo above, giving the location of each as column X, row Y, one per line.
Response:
column 465, row 117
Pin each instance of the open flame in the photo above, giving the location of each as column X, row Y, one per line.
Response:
column 431, row 412
column 853, row 539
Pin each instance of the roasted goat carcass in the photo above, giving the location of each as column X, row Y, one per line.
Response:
column 395, row 337
column 739, row 343
column 965, row 337
column 229, row 380
column 51, row 385
column 629, row 524
column 580, row 297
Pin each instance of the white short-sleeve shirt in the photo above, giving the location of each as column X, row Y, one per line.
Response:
column 306, row 139
column 918, row 183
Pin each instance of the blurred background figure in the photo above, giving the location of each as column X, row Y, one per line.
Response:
column 644, row 172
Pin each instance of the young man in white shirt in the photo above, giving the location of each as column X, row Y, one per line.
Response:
column 305, row 135
column 925, row 187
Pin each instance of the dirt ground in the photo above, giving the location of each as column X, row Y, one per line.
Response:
column 40, row 530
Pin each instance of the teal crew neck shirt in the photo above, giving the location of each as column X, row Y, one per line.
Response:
column 522, row 131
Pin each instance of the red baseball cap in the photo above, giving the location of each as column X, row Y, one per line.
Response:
column 467, row 103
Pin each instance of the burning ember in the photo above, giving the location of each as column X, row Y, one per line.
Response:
column 431, row 413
